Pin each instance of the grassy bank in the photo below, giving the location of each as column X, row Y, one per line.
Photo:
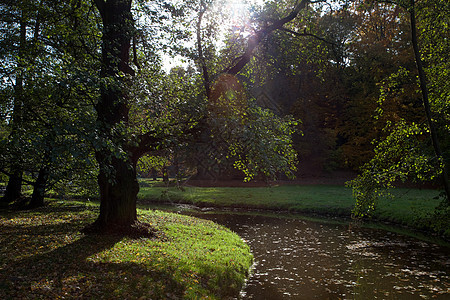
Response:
column 413, row 208
column 44, row 255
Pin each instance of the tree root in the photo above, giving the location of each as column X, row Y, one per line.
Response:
column 134, row 230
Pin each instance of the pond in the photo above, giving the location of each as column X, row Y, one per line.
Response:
column 300, row 259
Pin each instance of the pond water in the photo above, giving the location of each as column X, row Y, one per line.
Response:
column 298, row 259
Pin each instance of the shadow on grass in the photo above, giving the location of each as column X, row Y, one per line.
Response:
column 70, row 270
column 34, row 230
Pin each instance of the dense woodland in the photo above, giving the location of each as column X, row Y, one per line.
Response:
column 292, row 87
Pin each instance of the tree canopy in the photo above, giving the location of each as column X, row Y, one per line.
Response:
column 267, row 88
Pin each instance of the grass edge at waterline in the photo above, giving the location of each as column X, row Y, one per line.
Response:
column 411, row 208
column 44, row 255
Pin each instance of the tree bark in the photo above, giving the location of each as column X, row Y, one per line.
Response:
column 426, row 102
column 257, row 38
column 201, row 58
column 14, row 187
column 37, row 198
column 118, row 194
column 117, row 177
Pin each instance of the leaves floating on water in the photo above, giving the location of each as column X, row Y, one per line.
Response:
column 305, row 260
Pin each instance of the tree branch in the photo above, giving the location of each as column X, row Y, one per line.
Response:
column 146, row 142
column 307, row 34
column 254, row 40
column 135, row 59
column 10, row 174
column 149, row 141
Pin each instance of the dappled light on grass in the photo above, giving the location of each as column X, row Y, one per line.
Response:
column 44, row 254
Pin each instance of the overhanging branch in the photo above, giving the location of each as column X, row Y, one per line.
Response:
column 307, row 34
column 254, row 40
column 149, row 141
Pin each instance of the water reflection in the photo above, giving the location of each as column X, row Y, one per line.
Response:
column 297, row 259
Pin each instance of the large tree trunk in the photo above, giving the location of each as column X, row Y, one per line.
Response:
column 118, row 194
column 14, row 188
column 37, row 199
column 117, row 178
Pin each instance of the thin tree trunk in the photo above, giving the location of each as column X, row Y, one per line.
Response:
column 154, row 174
column 426, row 102
column 201, row 58
column 165, row 174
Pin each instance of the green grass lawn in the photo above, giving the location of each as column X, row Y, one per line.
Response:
column 44, row 255
column 296, row 198
column 410, row 207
